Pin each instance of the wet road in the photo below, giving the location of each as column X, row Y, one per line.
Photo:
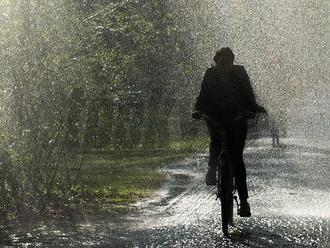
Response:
column 288, row 195
column 289, row 198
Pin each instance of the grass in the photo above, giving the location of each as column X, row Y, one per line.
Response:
column 114, row 179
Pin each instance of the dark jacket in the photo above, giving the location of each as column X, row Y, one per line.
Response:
column 223, row 101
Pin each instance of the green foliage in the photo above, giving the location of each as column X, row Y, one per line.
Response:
column 117, row 178
column 83, row 74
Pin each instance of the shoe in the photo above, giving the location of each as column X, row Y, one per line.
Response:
column 211, row 178
column 244, row 210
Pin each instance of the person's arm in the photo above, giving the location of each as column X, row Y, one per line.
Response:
column 202, row 98
column 250, row 98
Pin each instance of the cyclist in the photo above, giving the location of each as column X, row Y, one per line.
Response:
column 226, row 94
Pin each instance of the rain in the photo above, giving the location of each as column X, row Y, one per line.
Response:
column 97, row 144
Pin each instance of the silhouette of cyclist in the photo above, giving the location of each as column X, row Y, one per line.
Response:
column 226, row 94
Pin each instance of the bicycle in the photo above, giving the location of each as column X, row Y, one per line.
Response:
column 226, row 188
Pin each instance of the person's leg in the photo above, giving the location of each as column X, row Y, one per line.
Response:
column 214, row 152
column 238, row 136
column 237, row 146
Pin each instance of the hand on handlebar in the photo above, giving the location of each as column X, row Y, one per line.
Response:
column 250, row 114
column 257, row 109
column 262, row 110
column 197, row 115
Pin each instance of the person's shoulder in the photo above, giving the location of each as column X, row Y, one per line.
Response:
column 210, row 70
column 239, row 68
column 240, row 71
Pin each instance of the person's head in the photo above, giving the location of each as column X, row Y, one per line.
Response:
column 224, row 58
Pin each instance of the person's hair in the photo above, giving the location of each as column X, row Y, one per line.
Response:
column 224, row 51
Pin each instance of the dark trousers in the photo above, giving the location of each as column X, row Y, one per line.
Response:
column 235, row 135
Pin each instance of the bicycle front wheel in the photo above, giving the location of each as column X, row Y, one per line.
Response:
column 226, row 195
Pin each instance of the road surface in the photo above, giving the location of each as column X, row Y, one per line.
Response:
column 289, row 198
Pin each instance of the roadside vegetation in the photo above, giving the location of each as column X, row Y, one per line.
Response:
column 95, row 95
column 113, row 179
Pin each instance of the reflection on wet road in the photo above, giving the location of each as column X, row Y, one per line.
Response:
column 289, row 198
column 288, row 195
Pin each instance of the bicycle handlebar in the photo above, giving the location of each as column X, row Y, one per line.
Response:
column 205, row 117
column 208, row 118
column 200, row 116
